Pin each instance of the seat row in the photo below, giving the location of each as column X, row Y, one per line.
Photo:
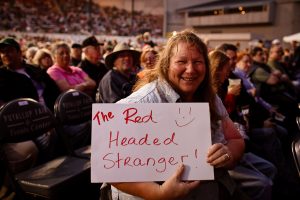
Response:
column 66, row 176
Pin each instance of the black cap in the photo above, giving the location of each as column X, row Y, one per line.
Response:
column 9, row 42
column 76, row 45
column 90, row 41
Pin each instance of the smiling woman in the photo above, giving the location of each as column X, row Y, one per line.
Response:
column 182, row 74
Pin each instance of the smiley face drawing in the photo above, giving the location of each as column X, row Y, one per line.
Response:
column 185, row 118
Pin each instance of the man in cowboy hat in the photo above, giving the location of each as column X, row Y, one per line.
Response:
column 118, row 82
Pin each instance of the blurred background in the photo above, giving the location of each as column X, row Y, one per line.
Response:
column 246, row 22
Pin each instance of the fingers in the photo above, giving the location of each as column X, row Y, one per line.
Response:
column 178, row 175
column 193, row 184
column 175, row 188
column 179, row 172
column 218, row 155
column 186, row 186
column 214, row 148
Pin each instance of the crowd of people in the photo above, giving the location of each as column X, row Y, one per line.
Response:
column 253, row 97
column 76, row 17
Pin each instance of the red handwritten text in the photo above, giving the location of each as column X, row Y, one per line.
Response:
column 145, row 140
column 102, row 116
column 131, row 116
column 129, row 161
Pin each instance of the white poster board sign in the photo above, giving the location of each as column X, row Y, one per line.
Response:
column 147, row 142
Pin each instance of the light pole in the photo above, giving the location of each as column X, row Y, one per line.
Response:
column 132, row 16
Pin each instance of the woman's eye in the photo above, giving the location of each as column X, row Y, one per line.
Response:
column 198, row 62
column 180, row 61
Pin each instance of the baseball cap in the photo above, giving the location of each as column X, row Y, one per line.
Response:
column 9, row 42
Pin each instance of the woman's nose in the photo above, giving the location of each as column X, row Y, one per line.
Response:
column 190, row 67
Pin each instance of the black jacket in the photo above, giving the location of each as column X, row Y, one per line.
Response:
column 95, row 72
column 115, row 86
column 15, row 85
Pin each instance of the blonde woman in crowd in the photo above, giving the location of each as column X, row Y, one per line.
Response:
column 148, row 60
column 43, row 59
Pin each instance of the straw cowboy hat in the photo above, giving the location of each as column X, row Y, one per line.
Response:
column 121, row 47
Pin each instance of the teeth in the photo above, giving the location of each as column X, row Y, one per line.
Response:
column 188, row 79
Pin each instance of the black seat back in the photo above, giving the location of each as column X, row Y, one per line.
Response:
column 73, row 107
column 73, row 111
column 24, row 119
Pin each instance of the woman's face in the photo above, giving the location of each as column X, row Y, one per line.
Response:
column 150, row 59
column 62, row 57
column 245, row 63
column 187, row 70
column 46, row 62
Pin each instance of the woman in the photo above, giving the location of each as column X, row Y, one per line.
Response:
column 148, row 59
column 182, row 75
column 243, row 68
column 43, row 59
column 66, row 76
column 220, row 70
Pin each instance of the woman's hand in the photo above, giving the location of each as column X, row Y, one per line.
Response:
column 219, row 155
column 175, row 188
column 172, row 188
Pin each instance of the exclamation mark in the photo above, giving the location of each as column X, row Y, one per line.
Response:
column 196, row 153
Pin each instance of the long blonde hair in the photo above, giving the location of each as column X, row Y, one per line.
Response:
column 205, row 92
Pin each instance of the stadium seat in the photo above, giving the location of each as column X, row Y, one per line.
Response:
column 73, row 111
column 64, row 177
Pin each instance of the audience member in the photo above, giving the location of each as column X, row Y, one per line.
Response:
column 253, row 174
column 107, row 48
column 147, row 60
column 275, row 62
column 21, row 80
column 147, row 39
column 43, row 59
column 30, row 52
column 66, row 76
column 118, row 81
column 271, row 85
column 91, row 62
column 242, row 70
column 182, row 75
column 76, row 51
